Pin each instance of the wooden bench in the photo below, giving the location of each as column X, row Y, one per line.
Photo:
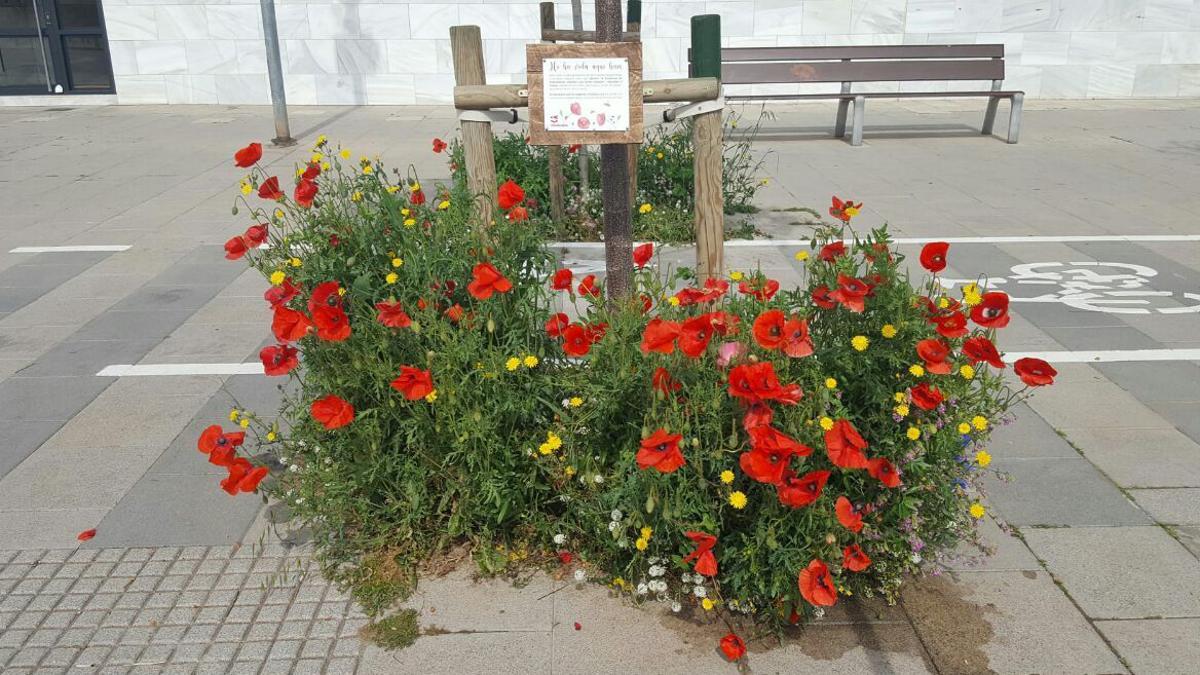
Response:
column 893, row 63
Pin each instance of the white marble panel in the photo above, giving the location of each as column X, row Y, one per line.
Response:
column 359, row 57
column 131, row 23
column 1075, row 15
column 333, row 21
column 931, row 16
column 1023, row 78
column 493, row 56
column 863, row 39
column 341, row 90
column 1111, row 81
column 1189, row 80
column 234, row 21
column 979, row 15
column 310, row 57
column 1040, row 49
column 243, row 90
column 524, row 21
column 826, row 17
column 492, row 19
column 750, row 41
column 1181, row 48
column 124, row 58
column 1092, row 47
column 390, row 90
column 432, row 21
column 292, row 21
column 1013, row 44
column 921, row 85
column 1027, row 15
column 665, row 54
column 675, row 19
column 877, row 16
column 140, row 89
column 778, row 17
column 1155, row 80
column 433, row 89
column 412, row 56
column 1167, row 14
column 1065, row 81
column 512, row 57
column 181, row 21
column 157, row 57
column 252, row 56
column 300, row 89
column 383, row 21
column 211, row 56
column 737, row 18
column 1142, row 47
column 190, row 89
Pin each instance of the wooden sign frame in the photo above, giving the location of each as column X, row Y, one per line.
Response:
column 534, row 55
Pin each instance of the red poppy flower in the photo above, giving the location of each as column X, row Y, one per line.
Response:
column 1034, row 372
column 416, row 197
column 844, row 211
column 661, row 451
column 757, row 415
column 236, row 247
column 561, row 281
column 796, row 342
column 770, row 439
column 332, row 412
column 816, row 586
column 732, row 647
column 576, row 340
column 305, row 193
column 281, row 294
column 414, row 383
column 854, row 559
column 392, row 316
column 238, row 469
column 992, row 312
column 848, row 515
column 270, row 189
column 518, row 214
column 951, row 325
column 642, row 254
column 256, row 235
column 832, row 251
column 765, row 465
column 724, row 323
column 768, row 329
column 289, row 325
column 588, row 286
column 573, row 148
column 311, row 171
column 934, row 353
column 979, row 348
column 926, row 397
column 487, row 280
column 326, row 294
column 557, row 325
column 933, row 256
column 845, row 446
column 821, row 298
column 332, row 323
column 247, row 156
column 798, row 492
column 509, row 195
column 712, row 290
column 454, row 313
column 250, row 481
column 763, row 291
column 757, row 382
column 279, row 359
column 662, row 381
column 695, row 334
column 706, row 562
column 565, row 557
column 884, row 471
column 439, row 145
column 214, row 438
column 659, row 336
column 86, row 535
column 851, row 293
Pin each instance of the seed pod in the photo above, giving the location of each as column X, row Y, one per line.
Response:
column 491, row 326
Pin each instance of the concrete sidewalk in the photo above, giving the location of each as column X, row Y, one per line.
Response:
column 1101, row 573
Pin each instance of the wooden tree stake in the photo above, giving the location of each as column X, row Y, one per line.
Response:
column 466, row 46
column 614, row 182
column 707, row 146
column 556, row 169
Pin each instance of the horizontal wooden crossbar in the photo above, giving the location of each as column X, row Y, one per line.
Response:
column 485, row 96
column 861, row 71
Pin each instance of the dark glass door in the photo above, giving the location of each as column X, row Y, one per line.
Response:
column 53, row 47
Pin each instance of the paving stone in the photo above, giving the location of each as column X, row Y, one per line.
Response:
column 48, row 398
column 1134, row 457
column 22, row 438
column 1161, row 646
column 520, row 652
column 1028, row 435
column 1190, row 538
column 1091, row 405
column 454, row 603
column 1059, row 491
column 1185, row 415
column 1156, row 381
column 162, row 509
column 133, row 324
column 59, row 528
column 1096, row 566
column 1101, row 337
column 88, row 357
column 1173, row 506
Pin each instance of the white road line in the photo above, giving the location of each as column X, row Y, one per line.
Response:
column 71, row 249
column 1016, row 239
column 1109, row 355
column 152, row 369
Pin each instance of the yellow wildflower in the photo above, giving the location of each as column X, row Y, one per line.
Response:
column 277, row 277
column 916, row 369
column 356, row 197
column 569, row 471
column 414, row 187
column 405, row 211
column 247, row 188
column 765, row 181
column 826, row 423
column 576, row 401
column 618, row 582
column 325, row 166
column 888, row 331
column 392, row 277
column 295, row 262
column 659, row 155
column 645, row 208
column 674, row 301
column 902, row 410
column 368, row 169
column 968, row 372
column 860, row 343
column 641, row 544
column 727, row 476
column 245, row 422
column 409, row 222
column 315, row 158
column 271, row 436
column 830, row 383
column 977, row 510
column 979, row 422
column 736, row 276
column 647, row 532
column 278, row 214
column 512, row 364
column 530, row 361
column 982, row 458
column 233, row 415
column 650, row 150
column 397, row 262
column 801, row 255
column 392, row 189
column 964, row 428
column 707, row 604
column 899, row 397
column 322, row 140
column 443, row 205
column 913, row 433
column 943, row 303
column 431, row 396
column 972, row 299
column 345, row 154
column 737, row 499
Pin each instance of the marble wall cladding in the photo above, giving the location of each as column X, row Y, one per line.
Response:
column 398, row 51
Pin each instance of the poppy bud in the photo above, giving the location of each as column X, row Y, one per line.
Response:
column 491, row 326
column 830, row 539
column 753, row 358
column 415, row 327
column 695, row 442
column 650, row 504
column 235, row 209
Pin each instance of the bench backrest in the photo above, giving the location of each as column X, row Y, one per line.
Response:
column 871, row 63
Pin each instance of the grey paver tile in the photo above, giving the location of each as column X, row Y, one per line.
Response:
column 1091, row 405
column 1156, row 381
column 48, row 398
column 1060, row 491
column 1185, row 415
column 1174, row 506
column 1190, row 538
column 22, row 438
column 1161, row 646
column 1095, row 565
column 453, row 603
column 161, row 509
column 1136, row 457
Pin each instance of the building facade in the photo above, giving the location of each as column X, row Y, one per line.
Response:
column 341, row 52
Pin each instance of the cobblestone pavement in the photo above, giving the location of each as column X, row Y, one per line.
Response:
column 195, row 609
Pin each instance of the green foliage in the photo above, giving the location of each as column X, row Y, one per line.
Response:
column 526, row 446
column 394, row 632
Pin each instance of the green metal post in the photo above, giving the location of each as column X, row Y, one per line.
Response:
column 706, row 46
column 633, row 12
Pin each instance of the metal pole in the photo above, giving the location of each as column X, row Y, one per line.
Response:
column 283, row 134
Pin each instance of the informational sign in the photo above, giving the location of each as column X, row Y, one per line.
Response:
column 588, row 94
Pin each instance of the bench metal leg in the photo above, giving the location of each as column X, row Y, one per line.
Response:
column 839, row 130
column 989, row 119
column 860, row 108
column 1014, row 118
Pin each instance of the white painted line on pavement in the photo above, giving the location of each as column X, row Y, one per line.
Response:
column 100, row 248
column 1109, row 355
column 1016, row 239
column 151, row 369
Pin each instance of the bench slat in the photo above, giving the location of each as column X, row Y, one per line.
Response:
column 864, row 52
column 861, row 71
column 887, row 94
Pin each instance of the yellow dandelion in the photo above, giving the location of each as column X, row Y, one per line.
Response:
column 982, row 458
column 414, row 187
column 277, row 277
column 569, row 471
column 247, row 188
column 295, row 262
column 830, row 383
column 409, row 222
column 443, row 205
column 888, row 331
column 727, row 476
column 826, row 423
column 356, row 197
column 736, row 276
column 659, row 155
column 979, row 422
column 674, row 301
column 977, row 511
column 322, row 140
column 916, row 369
column 234, row 414
column 393, row 189
column 245, row 422
column 641, row 544
column 575, row 401
column 801, row 255
column 315, row 158
column 392, row 277
column 902, row 410
column 530, row 361
column 368, row 170
column 325, row 166
column 431, row 396
column 397, row 262
column 647, row 532
column 860, row 343
column 737, row 499
column 271, row 436
column 967, row 372
column 512, row 364
column 913, row 433
column 345, row 154
column 278, row 214
column 964, row 428
column 707, row 604
column 618, row 582
column 972, row 299
column 645, row 208
column 899, row 397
